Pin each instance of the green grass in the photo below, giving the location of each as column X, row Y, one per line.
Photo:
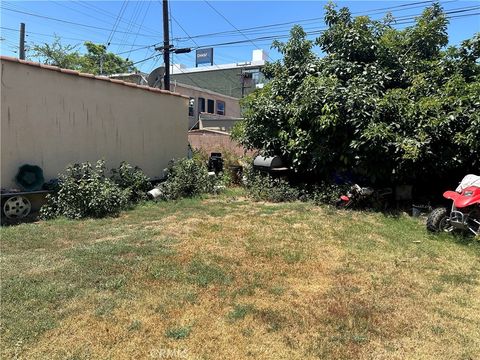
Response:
column 223, row 277
column 240, row 311
column 178, row 333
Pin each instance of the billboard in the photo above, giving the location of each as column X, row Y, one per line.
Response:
column 204, row 56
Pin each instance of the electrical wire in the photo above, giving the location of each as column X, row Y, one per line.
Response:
column 228, row 21
column 373, row 11
column 69, row 22
column 136, row 35
column 193, row 40
column 119, row 16
column 91, row 6
column 32, row 33
column 412, row 19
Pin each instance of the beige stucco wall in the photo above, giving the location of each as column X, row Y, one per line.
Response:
column 50, row 118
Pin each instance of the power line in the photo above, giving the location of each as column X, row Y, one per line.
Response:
column 115, row 25
column 231, row 32
column 29, row 33
column 132, row 19
column 219, row 13
column 136, row 35
column 149, row 58
column 411, row 19
column 68, row 22
column 405, row 21
column 193, row 40
column 91, row 7
column 89, row 14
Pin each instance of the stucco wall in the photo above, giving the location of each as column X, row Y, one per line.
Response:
column 52, row 118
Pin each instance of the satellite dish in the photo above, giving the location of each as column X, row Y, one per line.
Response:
column 155, row 78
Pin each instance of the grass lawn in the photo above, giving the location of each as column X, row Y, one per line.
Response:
column 225, row 278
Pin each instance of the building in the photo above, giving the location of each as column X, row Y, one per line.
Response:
column 219, row 110
column 235, row 80
column 204, row 103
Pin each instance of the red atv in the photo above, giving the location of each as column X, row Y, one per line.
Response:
column 465, row 212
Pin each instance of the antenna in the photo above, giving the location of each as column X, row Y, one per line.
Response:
column 156, row 77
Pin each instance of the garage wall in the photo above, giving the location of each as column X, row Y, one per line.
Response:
column 52, row 117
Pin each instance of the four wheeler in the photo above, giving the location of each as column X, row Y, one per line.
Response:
column 358, row 197
column 465, row 212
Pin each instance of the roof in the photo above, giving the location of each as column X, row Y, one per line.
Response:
column 202, row 131
column 89, row 76
column 239, row 65
column 206, row 91
column 176, row 84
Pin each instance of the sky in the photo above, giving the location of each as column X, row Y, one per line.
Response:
column 134, row 27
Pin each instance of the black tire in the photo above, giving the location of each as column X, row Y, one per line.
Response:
column 437, row 220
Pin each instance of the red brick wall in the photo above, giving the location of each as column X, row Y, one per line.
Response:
column 210, row 141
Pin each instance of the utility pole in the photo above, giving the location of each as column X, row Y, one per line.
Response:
column 22, row 42
column 166, row 46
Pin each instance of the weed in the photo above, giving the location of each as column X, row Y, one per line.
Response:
column 240, row 311
column 459, row 279
column 178, row 333
column 203, row 274
column 135, row 325
column 277, row 290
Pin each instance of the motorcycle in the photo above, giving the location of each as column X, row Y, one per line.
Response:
column 359, row 197
column 464, row 214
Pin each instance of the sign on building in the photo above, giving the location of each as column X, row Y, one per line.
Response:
column 204, row 56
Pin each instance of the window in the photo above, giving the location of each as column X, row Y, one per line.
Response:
column 191, row 107
column 211, row 106
column 220, row 107
column 201, row 105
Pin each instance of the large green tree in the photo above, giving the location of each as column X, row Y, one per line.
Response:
column 393, row 105
column 96, row 60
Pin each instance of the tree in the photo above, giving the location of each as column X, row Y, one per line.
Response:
column 95, row 61
column 390, row 105
column 57, row 54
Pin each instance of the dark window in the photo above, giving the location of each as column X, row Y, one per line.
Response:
column 191, row 107
column 211, row 106
column 201, row 105
column 220, row 107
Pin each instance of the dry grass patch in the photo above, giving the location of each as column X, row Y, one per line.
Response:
column 225, row 278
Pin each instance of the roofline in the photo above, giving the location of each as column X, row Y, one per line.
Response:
column 88, row 76
column 196, row 88
column 197, row 131
column 246, row 65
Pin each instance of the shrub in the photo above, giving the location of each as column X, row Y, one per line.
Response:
column 186, row 178
column 265, row 187
column 233, row 164
column 132, row 179
column 394, row 106
column 85, row 191
column 324, row 193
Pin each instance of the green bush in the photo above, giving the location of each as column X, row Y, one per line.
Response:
column 85, row 191
column 186, row 178
column 266, row 188
column 132, row 179
column 325, row 193
column 391, row 105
